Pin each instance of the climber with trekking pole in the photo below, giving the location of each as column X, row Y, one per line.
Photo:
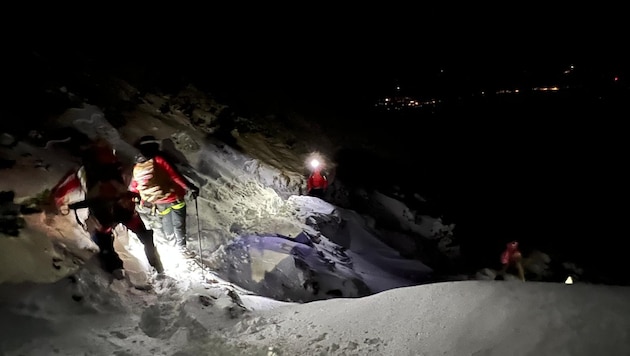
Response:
column 162, row 191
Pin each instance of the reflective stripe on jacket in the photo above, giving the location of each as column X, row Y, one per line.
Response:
column 157, row 182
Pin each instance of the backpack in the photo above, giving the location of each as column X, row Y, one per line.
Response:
column 153, row 182
column 107, row 199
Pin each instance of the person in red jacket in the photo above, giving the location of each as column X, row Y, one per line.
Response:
column 163, row 189
column 512, row 258
column 317, row 182
column 98, row 185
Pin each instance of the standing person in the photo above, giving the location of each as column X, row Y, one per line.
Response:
column 512, row 258
column 317, row 182
column 162, row 189
column 100, row 183
column 147, row 211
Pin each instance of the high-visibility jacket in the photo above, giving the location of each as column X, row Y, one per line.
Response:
column 317, row 181
column 157, row 182
column 511, row 253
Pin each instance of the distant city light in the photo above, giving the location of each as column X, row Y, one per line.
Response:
column 554, row 88
column 405, row 102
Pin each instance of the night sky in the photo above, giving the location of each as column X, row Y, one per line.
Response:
column 356, row 53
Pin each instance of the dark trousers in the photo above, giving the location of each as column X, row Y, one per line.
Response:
column 174, row 223
column 317, row 192
column 109, row 257
column 153, row 221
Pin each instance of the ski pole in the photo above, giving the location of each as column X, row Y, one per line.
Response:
column 203, row 279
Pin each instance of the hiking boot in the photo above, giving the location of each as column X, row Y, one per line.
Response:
column 119, row 273
column 159, row 269
column 157, row 273
column 153, row 257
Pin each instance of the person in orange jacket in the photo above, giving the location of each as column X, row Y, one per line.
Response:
column 512, row 258
column 317, row 182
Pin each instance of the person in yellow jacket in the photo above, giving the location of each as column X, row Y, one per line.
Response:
column 163, row 189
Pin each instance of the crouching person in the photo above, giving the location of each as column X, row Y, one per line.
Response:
column 99, row 181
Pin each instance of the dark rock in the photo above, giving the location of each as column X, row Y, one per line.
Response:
column 7, row 196
column 335, row 293
column 205, row 300
column 7, row 140
column 10, row 220
column 9, row 231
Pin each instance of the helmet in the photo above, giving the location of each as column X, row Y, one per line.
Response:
column 148, row 139
column 148, row 146
column 100, row 152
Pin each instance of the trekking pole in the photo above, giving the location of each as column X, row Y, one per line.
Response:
column 203, row 279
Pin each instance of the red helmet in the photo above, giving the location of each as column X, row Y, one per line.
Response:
column 102, row 152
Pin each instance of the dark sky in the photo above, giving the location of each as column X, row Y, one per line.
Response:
column 358, row 50
column 320, row 53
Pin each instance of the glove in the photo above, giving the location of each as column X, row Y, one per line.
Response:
column 194, row 192
column 134, row 197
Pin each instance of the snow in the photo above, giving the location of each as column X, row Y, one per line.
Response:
column 456, row 318
column 285, row 274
